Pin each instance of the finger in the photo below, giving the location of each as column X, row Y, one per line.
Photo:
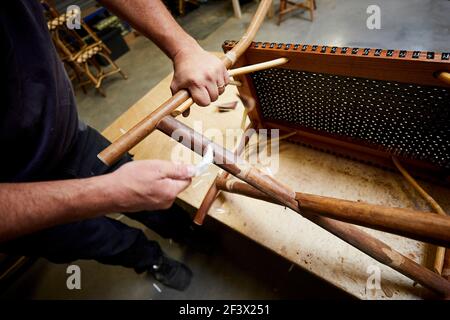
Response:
column 200, row 96
column 176, row 171
column 186, row 112
column 213, row 91
column 226, row 77
column 221, row 87
column 173, row 87
column 180, row 185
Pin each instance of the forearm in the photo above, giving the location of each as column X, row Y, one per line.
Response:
column 152, row 19
column 28, row 207
column 201, row 73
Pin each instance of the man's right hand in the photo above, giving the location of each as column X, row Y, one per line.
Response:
column 138, row 185
column 148, row 184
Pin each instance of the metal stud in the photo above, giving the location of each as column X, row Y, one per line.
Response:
column 404, row 119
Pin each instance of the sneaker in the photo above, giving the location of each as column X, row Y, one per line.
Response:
column 176, row 224
column 172, row 273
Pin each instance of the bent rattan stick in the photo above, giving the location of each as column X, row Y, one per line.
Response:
column 146, row 126
column 410, row 223
column 440, row 251
column 258, row 67
column 281, row 194
column 235, row 83
column 357, row 238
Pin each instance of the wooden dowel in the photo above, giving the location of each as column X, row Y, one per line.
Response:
column 141, row 130
column 258, row 67
column 405, row 222
column 244, row 117
column 146, row 126
column 183, row 107
column 235, row 83
column 280, row 194
column 234, row 72
column 440, row 251
column 422, row 226
column 207, row 201
column 213, row 191
column 445, row 77
column 417, row 225
column 355, row 237
column 245, row 41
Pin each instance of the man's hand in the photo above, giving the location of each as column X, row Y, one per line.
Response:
column 196, row 70
column 148, row 184
column 136, row 186
column 201, row 73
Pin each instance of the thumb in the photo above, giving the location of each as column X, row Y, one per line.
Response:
column 174, row 86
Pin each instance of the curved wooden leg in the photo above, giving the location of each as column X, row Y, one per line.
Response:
column 271, row 12
column 97, row 82
column 311, row 9
column 83, row 86
column 100, row 90
column 237, row 9
column 283, row 4
column 115, row 66
column 77, row 72
column 90, row 75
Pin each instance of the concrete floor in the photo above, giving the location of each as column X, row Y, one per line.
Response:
column 238, row 268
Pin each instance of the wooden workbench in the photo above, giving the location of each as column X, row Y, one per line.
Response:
column 282, row 230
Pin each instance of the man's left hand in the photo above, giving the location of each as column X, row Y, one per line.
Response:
column 201, row 73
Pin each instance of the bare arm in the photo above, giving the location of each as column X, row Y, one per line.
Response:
column 153, row 20
column 136, row 186
column 28, row 207
column 196, row 70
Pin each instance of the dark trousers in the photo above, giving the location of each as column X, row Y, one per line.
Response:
column 103, row 239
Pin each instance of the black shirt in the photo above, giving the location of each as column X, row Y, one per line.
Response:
column 38, row 117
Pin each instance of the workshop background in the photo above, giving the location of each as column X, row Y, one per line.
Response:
column 237, row 268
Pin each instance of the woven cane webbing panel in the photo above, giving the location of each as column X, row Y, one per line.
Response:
column 403, row 119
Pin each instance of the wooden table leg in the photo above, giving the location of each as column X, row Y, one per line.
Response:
column 237, row 9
